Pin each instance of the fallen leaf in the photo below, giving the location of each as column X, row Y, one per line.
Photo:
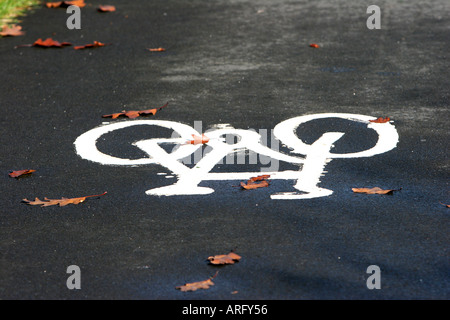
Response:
column 18, row 173
column 256, row 182
column 254, row 185
column 156, row 49
column 314, row 45
column 106, row 8
column 230, row 258
column 49, row 42
column 205, row 284
column 375, row 190
column 447, row 205
column 65, row 4
column 381, row 120
column 91, row 45
column 198, row 140
column 134, row 114
column 61, row 202
column 12, row 31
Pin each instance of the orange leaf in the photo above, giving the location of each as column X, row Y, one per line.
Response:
column 106, row 8
column 198, row 140
column 447, row 205
column 49, row 42
column 259, row 178
column 314, row 45
column 61, row 202
column 254, row 185
column 65, row 4
column 375, row 190
column 18, row 173
column 230, row 258
column 12, row 31
column 91, row 45
column 134, row 114
column 156, row 49
column 205, row 284
column 381, row 120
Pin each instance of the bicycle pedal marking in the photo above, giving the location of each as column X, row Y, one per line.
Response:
column 313, row 158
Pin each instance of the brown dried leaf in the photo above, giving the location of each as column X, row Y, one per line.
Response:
column 61, row 202
column 230, row 258
column 156, row 49
column 134, row 114
column 256, row 182
column 12, row 31
column 49, row 42
column 65, row 4
column 96, row 44
column 205, row 284
column 375, row 190
column 18, row 173
column 447, row 205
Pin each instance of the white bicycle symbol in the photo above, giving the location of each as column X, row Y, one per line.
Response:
column 316, row 155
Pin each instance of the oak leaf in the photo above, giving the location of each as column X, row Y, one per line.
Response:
column 134, row 114
column 12, row 31
column 229, row 258
column 375, row 190
column 61, row 202
column 106, row 8
column 96, row 44
column 205, row 284
column 381, row 120
column 18, row 173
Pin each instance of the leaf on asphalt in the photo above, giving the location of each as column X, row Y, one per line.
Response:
column 198, row 139
column 381, row 120
column 205, row 284
column 256, row 182
column 156, row 49
column 314, row 45
column 134, row 114
column 96, row 44
column 65, row 4
column 19, row 173
column 49, row 42
column 447, row 205
column 106, row 8
column 12, row 31
column 375, row 190
column 61, row 202
column 230, row 258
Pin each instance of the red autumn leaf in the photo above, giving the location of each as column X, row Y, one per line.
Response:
column 156, row 49
column 65, row 4
column 49, row 42
column 193, row 286
column 61, row 202
column 375, row 190
column 314, row 45
column 18, row 173
column 229, row 258
column 91, row 45
column 198, row 139
column 106, row 8
column 134, row 114
column 381, row 120
column 12, row 31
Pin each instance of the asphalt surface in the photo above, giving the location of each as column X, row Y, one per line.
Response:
column 248, row 64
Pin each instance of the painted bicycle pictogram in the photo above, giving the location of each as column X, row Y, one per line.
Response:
column 311, row 158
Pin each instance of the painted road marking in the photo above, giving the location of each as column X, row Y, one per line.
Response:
column 315, row 156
